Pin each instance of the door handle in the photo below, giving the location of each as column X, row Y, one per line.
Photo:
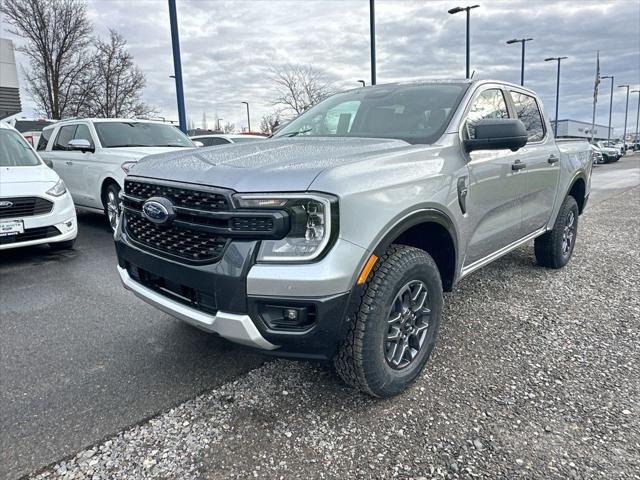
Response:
column 518, row 165
column 69, row 162
column 553, row 159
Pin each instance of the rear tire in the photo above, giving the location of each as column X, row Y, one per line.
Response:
column 68, row 245
column 392, row 333
column 112, row 205
column 554, row 248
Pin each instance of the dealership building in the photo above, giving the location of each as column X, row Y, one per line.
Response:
column 577, row 129
column 9, row 88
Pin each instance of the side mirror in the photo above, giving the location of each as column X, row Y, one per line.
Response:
column 47, row 162
column 198, row 143
column 80, row 144
column 498, row 134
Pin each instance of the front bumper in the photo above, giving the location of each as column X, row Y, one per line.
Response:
column 230, row 297
column 62, row 217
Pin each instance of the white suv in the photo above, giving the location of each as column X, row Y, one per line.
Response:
column 35, row 206
column 94, row 155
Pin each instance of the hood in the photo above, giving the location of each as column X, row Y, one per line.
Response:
column 286, row 164
column 136, row 153
column 39, row 173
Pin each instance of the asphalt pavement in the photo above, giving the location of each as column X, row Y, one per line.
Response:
column 82, row 359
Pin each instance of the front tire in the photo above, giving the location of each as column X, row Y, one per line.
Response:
column 396, row 325
column 112, row 205
column 554, row 248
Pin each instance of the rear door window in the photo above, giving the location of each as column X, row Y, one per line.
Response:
column 529, row 113
column 65, row 135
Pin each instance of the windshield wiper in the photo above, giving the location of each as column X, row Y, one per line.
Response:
column 293, row 134
column 128, row 145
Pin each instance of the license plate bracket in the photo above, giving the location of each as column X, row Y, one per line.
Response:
column 11, row 227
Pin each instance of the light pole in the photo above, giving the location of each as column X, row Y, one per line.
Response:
column 626, row 112
column 177, row 64
column 219, row 120
column 362, row 82
column 637, row 118
column 248, row 119
column 523, row 41
column 610, row 107
column 558, row 59
column 468, row 10
column 372, row 35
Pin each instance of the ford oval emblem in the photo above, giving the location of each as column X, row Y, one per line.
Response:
column 158, row 210
column 6, row 204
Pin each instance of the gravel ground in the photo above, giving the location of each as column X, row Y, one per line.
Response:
column 536, row 375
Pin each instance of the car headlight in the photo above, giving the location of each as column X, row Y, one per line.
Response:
column 127, row 166
column 58, row 189
column 311, row 229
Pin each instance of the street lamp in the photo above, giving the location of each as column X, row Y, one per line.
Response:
column 637, row 117
column 362, row 82
column 248, row 119
column 372, row 36
column 558, row 59
column 177, row 65
column 610, row 107
column 523, row 41
column 468, row 10
column 626, row 112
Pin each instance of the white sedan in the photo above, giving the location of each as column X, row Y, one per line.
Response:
column 35, row 206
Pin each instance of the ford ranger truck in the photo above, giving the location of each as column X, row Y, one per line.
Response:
column 336, row 238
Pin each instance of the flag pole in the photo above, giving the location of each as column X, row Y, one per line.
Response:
column 595, row 96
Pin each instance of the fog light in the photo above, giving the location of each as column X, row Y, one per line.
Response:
column 287, row 317
column 291, row 314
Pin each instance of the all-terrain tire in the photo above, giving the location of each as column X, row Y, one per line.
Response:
column 361, row 360
column 551, row 249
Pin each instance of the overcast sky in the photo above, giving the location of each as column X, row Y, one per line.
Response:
column 228, row 47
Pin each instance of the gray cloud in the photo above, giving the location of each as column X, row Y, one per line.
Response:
column 228, row 46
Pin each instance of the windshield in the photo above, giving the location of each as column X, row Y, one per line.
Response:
column 414, row 113
column 140, row 134
column 14, row 151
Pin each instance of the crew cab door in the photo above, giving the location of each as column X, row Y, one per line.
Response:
column 494, row 186
column 86, row 168
column 542, row 159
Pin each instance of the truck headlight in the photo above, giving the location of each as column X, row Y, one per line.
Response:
column 58, row 189
column 312, row 224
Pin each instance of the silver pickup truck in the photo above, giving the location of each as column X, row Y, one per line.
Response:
column 336, row 238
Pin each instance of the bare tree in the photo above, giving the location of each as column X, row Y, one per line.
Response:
column 270, row 122
column 229, row 127
column 298, row 87
column 116, row 82
column 57, row 35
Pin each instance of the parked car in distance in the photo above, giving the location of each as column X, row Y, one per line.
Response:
column 35, row 206
column 597, row 154
column 336, row 238
column 30, row 128
column 93, row 156
column 224, row 139
column 609, row 153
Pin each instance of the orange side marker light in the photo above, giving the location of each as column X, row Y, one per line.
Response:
column 367, row 268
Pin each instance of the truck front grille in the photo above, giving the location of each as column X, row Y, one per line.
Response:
column 180, row 197
column 16, row 207
column 185, row 243
column 203, row 224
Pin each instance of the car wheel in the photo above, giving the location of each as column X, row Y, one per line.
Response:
column 68, row 245
column 554, row 248
column 394, row 329
column 112, row 205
